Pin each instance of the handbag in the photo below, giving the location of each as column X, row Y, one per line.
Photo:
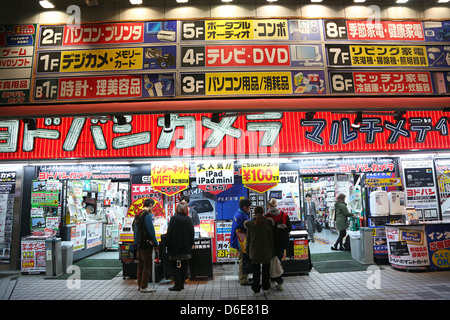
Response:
column 276, row 269
column 318, row 227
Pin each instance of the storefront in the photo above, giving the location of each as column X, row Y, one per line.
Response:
column 219, row 109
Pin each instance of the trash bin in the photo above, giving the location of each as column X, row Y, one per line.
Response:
column 367, row 246
column 67, row 254
column 355, row 244
column 361, row 244
column 53, row 262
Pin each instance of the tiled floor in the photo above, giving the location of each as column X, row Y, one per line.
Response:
column 378, row 282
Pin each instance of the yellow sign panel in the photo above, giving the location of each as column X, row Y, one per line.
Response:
column 171, row 177
column 387, row 56
column 260, row 172
column 384, row 182
column 101, row 60
column 247, row 29
column 224, row 83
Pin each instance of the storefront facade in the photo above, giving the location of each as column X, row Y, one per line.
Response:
column 97, row 116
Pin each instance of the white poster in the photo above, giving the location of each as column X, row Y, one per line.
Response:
column 215, row 176
column 420, row 188
column 287, row 194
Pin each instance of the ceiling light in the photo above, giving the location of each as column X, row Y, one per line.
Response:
column 443, row 1
column 272, row 0
column 182, row 1
column 316, row 0
column 227, row 0
column 136, row 1
column 46, row 4
column 359, row 1
column 401, row 1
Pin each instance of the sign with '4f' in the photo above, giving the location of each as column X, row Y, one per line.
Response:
column 260, row 176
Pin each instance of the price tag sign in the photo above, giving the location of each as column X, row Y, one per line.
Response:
column 260, row 176
column 170, row 178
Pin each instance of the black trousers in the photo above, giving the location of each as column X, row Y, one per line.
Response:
column 256, row 267
column 339, row 240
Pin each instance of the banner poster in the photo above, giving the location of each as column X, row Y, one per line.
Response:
column 78, row 235
column 170, row 178
column 260, row 176
column 141, row 189
column 287, row 194
column 33, row 256
column 224, row 252
column 17, row 44
column 300, row 250
column 420, row 188
column 407, row 248
column 438, row 240
column 214, row 176
column 94, row 235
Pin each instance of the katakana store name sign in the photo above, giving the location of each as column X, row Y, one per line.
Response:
column 197, row 136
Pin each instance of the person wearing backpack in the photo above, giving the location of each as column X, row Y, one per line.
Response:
column 144, row 241
column 281, row 231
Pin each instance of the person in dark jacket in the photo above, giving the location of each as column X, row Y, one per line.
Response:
column 240, row 216
column 281, row 220
column 180, row 239
column 192, row 211
column 144, row 253
column 341, row 214
column 260, row 248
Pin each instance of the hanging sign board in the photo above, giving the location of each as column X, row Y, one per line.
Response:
column 170, row 178
column 260, row 176
column 215, row 176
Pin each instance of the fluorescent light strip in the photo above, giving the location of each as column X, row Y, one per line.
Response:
column 136, row 1
column 316, row 0
column 402, row 1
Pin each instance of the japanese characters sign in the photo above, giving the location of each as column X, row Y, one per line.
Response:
column 104, row 87
column 215, row 176
column 107, row 34
column 16, row 62
column 407, row 248
column 253, row 83
column 377, row 55
column 33, row 256
column 387, row 82
column 272, row 29
column 260, row 176
column 373, row 30
column 196, row 135
column 438, row 240
column 420, row 188
column 170, row 178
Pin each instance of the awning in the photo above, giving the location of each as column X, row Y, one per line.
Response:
column 341, row 104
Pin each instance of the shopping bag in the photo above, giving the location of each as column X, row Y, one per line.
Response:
column 276, row 269
column 242, row 238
